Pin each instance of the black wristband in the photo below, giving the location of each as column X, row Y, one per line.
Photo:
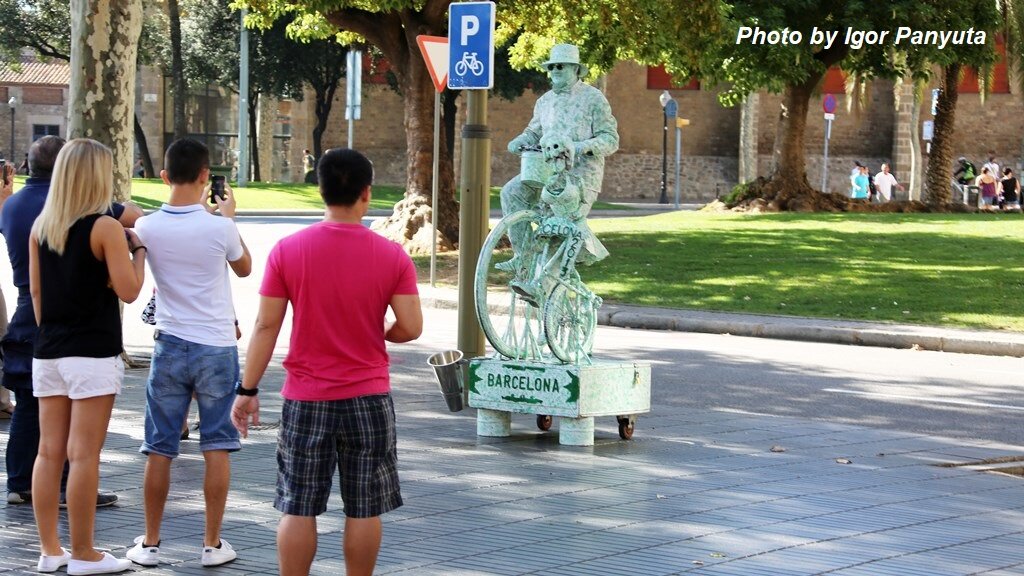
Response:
column 245, row 391
column 137, row 248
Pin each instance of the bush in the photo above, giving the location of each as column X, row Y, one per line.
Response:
column 743, row 192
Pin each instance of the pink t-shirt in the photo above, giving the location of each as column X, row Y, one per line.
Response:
column 339, row 279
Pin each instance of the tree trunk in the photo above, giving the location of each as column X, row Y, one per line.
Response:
column 791, row 174
column 177, row 71
column 254, row 141
column 140, row 140
column 780, row 124
column 412, row 221
column 324, row 102
column 266, row 121
column 748, row 138
column 941, row 157
column 104, row 45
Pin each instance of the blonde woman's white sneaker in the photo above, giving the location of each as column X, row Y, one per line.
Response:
column 108, row 565
column 53, row 563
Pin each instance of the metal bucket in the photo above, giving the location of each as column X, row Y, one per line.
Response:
column 534, row 170
column 447, row 367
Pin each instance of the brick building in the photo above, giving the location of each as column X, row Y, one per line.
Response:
column 710, row 144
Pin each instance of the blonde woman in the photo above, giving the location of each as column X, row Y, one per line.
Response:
column 80, row 264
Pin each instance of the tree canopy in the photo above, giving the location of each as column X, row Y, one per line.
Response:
column 746, row 63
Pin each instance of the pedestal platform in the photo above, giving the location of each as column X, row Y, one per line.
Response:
column 574, row 393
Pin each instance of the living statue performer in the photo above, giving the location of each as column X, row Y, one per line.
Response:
column 571, row 115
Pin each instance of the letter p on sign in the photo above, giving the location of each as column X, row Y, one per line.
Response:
column 470, row 26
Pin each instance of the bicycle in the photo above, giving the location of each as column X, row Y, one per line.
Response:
column 469, row 63
column 542, row 304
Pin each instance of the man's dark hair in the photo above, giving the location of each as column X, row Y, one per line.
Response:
column 344, row 174
column 185, row 159
column 42, row 154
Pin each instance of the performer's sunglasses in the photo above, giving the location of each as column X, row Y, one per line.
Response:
column 555, row 67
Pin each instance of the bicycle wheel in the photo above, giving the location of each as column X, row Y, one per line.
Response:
column 511, row 322
column 570, row 320
column 460, row 68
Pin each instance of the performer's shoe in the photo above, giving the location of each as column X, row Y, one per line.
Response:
column 510, row 265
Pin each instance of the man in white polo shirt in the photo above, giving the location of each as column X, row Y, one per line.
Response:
column 190, row 250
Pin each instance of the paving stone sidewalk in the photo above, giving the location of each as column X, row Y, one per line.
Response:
column 699, row 492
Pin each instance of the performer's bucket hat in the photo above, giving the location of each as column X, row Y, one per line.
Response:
column 567, row 54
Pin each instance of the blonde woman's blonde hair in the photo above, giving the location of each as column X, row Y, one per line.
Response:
column 82, row 184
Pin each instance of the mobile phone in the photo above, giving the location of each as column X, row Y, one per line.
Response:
column 216, row 188
column 3, row 169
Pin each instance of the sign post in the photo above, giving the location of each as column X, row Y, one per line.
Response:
column 435, row 54
column 353, row 90
column 680, row 122
column 471, row 68
column 828, row 104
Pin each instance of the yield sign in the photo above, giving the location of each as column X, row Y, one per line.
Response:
column 435, row 54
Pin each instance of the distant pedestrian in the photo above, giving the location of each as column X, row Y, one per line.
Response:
column 884, row 183
column 308, row 161
column 1009, row 190
column 860, row 184
column 992, row 165
column 338, row 413
column 308, row 167
column 965, row 172
column 988, row 185
column 854, row 173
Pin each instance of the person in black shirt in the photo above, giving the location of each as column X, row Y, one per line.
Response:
column 1009, row 188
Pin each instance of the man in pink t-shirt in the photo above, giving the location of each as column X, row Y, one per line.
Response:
column 340, row 278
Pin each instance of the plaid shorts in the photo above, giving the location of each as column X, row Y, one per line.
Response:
column 357, row 436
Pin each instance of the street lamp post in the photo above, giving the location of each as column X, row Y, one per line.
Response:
column 668, row 108
column 12, row 103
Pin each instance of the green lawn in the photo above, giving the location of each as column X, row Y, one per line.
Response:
column 151, row 193
column 962, row 270
column 958, row 270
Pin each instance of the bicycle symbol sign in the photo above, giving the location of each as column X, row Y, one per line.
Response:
column 471, row 45
column 469, row 63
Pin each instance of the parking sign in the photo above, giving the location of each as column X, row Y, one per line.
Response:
column 471, row 45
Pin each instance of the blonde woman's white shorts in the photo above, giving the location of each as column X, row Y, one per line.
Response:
column 77, row 377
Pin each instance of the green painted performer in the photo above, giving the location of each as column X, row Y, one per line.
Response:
column 575, row 113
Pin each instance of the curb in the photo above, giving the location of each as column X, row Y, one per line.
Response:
column 797, row 328
column 813, row 330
